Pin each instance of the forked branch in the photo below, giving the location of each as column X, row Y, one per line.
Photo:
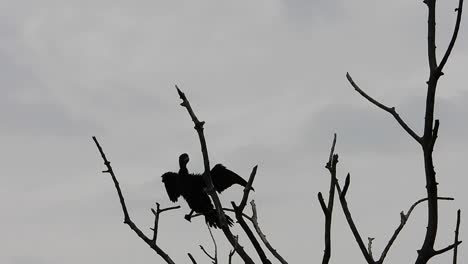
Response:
column 127, row 220
column 239, row 216
column 328, row 210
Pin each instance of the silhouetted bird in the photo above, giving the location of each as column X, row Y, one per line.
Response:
column 192, row 188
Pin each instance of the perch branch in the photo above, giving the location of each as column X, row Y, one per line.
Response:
column 390, row 110
column 127, row 219
column 226, row 210
column 208, row 181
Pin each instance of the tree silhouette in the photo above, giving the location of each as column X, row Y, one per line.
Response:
column 426, row 141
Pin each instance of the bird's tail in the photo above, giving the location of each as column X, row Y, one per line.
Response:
column 213, row 220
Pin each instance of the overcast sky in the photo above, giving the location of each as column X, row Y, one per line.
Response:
column 268, row 77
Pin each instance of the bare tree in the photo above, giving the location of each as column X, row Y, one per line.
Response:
column 426, row 141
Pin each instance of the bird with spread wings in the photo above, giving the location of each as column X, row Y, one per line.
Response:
column 192, row 188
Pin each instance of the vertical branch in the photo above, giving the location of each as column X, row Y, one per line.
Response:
column 328, row 210
column 430, row 131
column 208, row 181
column 456, row 242
column 127, row 219
column 213, row 258
column 156, row 213
column 231, row 253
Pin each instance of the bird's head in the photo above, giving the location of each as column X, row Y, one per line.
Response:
column 183, row 159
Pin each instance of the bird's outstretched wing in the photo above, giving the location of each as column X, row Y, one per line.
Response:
column 170, row 182
column 224, row 178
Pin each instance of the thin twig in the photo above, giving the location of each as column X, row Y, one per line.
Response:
column 215, row 257
column 262, row 236
column 455, row 249
column 127, row 219
column 156, row 213
column 390, row 110
column 454, row 37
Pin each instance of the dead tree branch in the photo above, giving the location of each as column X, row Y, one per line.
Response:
column 430, row 131
column 192, row 258
column 209, row 183
column 349, row 219
column 239, row 210
column 156, row 213
column 213, row 258
column 262, row 235
column 127, row 219
column 403, row 219
column 390, row 110
column 328, row 210
column 231, row 253
column 459, row 10
column 455, row 249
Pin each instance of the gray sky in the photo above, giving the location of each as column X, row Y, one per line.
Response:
column 268, row 77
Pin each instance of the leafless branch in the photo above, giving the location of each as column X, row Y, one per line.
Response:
column 403, row 219
column 455, row 249
column 262, row 236
column 328, row 210
column 369, row 246
column 156, row 213
column 215, row 257
column 209, row 183
column 390, row 110
column 127, row 219
column 192, row 258
column 247, row 188
column 231, row 253
column 349, row 219
column 454, row 37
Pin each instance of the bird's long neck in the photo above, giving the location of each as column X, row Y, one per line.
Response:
column 183, row 169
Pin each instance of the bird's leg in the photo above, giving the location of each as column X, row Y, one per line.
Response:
column 188, row 217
